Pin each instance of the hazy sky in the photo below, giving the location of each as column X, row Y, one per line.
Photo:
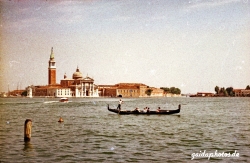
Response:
column 193, row 45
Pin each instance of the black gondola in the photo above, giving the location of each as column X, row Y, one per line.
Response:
column 164, row 112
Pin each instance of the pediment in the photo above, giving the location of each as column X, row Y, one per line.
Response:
column 88, row 78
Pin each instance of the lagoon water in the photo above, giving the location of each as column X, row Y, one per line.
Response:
column 90, row 133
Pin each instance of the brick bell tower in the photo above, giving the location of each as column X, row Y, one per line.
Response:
column 52, row 69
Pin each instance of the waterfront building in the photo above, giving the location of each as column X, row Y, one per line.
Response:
column 203, row 94
column 172, row 95
column 16, row 92
column 128, row 90
column 80, row 86
column 3, row 94
column 77, row 86
column 242, row 92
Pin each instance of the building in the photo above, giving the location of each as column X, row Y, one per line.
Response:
column 242, row 92
column 3, row 94
column 16, row 92
column 171, row 95
column 203, row 94
column 52, row 69
column 128, row 90
column 80, row 86
column 77, row 86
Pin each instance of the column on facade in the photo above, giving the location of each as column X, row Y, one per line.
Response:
column 81, row 89
column 97, row 92
column 93, row 89
column 90, row 89
column 76, row 91
column 84, row 89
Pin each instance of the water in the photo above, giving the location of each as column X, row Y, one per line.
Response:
column 90, row 133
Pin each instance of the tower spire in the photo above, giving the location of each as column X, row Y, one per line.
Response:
column 52, row 69
column 52, row 54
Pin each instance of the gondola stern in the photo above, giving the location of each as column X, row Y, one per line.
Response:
column 108, row 107
column 179, row 108
column 112, row 110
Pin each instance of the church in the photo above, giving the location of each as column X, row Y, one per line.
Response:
column 77, row 86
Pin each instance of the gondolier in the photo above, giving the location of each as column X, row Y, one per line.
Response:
column 119, row 104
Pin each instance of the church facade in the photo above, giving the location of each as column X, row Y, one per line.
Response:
column 77, row 86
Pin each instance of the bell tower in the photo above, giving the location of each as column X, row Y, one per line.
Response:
column 52, row 69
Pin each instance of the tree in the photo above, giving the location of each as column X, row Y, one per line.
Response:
column 172, row 90
column 166, row 89
column 217, row 89
column 178, row 91
column 230, row 91
column 175, row 90
column 222, row 90
column 225, row 93
column 248, row 87
column 149, row 91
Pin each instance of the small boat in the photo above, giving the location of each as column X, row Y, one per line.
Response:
column 164, row 112
column 64, row 99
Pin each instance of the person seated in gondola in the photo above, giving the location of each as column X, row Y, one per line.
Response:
column 158, row 110
column 145, row 110
column 137, row 110
column 148, row 110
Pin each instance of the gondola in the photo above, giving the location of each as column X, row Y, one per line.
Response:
column 164, row 112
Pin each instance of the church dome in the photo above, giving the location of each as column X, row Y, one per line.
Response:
column 77, row 74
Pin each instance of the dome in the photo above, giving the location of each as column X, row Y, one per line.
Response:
column 77, row 74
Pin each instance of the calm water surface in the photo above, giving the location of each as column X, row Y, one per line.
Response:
column 90, row 133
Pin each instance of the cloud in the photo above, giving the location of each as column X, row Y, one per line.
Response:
column 121, row 18
column 197, row 4
column 68, row 19
column 12, row 63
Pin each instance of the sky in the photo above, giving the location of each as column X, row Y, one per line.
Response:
column 193, row 45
